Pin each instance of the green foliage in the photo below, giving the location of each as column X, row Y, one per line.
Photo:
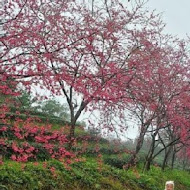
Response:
column 50, row 111
column 84, row 176
column 116, row 161
column 155, row 179
column 25, row 101
column 15, row 176
column 54, row 108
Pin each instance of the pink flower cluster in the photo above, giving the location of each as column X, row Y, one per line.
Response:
column 23, row 152
column 27, row 141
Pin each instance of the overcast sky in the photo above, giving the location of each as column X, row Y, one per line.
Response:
column 176, row 14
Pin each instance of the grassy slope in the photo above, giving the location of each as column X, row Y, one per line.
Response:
column 84, row 176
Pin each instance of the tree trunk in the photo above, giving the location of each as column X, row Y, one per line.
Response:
column 71, row 137
column 133, row 159
column 173, row 160
column 74, row 118
column 149, row 157
column 167, row 153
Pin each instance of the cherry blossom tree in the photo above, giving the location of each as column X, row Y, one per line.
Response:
column 108, row 56
column 79, row 52
column 158, row 91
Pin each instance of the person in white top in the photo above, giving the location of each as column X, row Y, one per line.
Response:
column 169, row 185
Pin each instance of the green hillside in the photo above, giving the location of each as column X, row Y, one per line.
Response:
column 85, row 175
column 98, row 166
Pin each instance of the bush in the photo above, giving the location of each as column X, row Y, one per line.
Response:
column 116, row 161
column 24, row 141
column 27, row 177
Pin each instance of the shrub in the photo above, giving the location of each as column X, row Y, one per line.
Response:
column 116, row 161
column 25, row 141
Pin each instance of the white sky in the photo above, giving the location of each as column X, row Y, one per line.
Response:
column 176, row 15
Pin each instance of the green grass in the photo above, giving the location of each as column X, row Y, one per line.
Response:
column 86, row 175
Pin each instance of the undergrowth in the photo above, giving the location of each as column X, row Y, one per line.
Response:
column 53, row 175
